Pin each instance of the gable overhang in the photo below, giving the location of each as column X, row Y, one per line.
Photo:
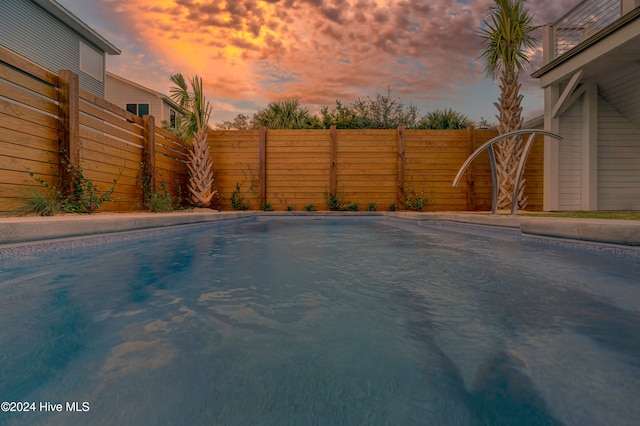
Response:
column 78, row 26
column 611, row 47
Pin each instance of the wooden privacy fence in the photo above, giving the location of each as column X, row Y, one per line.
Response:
column 43, row 114
column 292, row 169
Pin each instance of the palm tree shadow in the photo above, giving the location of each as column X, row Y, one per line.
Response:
column 502, row 395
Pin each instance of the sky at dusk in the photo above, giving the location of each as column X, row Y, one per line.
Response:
column 251, row 52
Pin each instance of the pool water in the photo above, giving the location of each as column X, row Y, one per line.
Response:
column 280, row 321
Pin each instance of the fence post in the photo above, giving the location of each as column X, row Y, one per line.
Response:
column 148, row 156
column 401, row 167
column 69, row 130
column 262, row 168
column 333, row 161
column 471, row 171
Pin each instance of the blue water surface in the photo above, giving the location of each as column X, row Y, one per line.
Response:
column 322, row 322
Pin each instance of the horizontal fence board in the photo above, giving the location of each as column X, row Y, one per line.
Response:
column 18, row 152
column 26, row 115
column 90, row 98
column 28, row 83
column 32, row 129
column 27, row 66
column 107, row 145
column 110, row 118
column 101, row 127
column 28, row 98
column 108, row 160
column 171, row 153
column 13, row 137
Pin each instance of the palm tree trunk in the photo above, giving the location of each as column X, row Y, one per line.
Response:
column 509, row 151
column 200, row 171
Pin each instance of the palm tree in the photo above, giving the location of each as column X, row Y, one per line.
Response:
column 446, row 119
column 193, row 129
column 507, row 35
column 286, row 114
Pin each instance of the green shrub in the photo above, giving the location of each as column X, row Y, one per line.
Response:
column 83, row 195
column 238, row 202
column 41, row 203
column 415, row 202
column 373, row 207
column 309, row 208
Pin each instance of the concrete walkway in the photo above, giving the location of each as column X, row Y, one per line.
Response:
column 21, row 230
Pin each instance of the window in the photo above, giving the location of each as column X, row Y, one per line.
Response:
column 138, row 109
column 91, row 62
column 172, row 119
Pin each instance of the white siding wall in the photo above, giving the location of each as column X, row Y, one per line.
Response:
column 618, row 160
column 622, row 89
column 569, row 173
column 121, row 94
column 32, row 32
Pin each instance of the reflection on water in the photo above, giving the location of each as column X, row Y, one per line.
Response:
column 322, row 322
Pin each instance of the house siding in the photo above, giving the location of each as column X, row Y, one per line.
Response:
column 32, row 32
column 121, row 94
column 618, row 160
column 622, row 89
column 570, row 152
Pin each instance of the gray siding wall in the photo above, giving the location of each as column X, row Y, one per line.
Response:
column 570, row 168
column 618, row 160
column 32, row 32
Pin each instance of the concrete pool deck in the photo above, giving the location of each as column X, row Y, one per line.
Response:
column 26, row 230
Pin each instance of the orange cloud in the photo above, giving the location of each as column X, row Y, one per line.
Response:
column 317, row 51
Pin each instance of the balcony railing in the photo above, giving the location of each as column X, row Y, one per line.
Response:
column 583, row 21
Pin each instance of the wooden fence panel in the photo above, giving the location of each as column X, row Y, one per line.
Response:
column 367, row 167
column 42, row 113
column 111, row 153
column 432, row 160
column 297, row 168
column 28, row 130
column 171, row 164
column 235, row 156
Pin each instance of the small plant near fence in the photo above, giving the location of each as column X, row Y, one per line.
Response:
column 413, row 201
column 373, row 207
column 238, row 202
column 267, row 208
column 82, row 197
column 309, row 208
column 159, row 201
column 334, row 203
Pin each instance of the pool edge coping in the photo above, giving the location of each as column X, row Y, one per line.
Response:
column 32, row 230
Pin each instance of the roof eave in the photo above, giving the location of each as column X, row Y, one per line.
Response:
column 78, row 26
column 615, row 26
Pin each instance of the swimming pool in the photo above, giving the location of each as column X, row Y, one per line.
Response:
column 298, row 321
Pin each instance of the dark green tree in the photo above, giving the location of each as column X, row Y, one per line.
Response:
column 446, row 119
column 285, row 114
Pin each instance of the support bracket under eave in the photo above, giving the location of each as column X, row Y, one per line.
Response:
column 569, row 95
